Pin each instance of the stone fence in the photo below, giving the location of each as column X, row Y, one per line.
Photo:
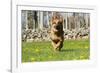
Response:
column 43, row 35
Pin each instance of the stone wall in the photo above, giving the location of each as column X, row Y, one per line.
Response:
column 43, row 35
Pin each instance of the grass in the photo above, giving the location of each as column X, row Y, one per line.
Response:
column 43, row 51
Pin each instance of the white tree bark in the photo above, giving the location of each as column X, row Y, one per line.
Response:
column 66, row 21
column 38, row 18
column 41, row 20
column 86, row 20
column 47, row 19
column 26, row 21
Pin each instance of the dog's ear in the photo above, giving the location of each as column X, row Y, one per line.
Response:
column 61, row 20
column 56, row 18
column 53, row 20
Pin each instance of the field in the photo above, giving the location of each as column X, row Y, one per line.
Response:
column 43, row 51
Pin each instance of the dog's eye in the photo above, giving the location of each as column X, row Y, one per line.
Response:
column 54, row 23
column 59, row 22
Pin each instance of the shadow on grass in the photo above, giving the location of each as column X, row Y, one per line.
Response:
column 69, row 50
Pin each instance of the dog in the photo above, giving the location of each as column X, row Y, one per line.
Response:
column 56, row 32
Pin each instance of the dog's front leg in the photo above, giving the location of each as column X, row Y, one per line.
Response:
column 59, row 45
column 54, row 46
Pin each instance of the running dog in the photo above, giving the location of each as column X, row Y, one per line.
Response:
column 56, row 32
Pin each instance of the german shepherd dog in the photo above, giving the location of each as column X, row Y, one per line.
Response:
column 56, row 32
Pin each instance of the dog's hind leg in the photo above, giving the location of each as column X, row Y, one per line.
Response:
column 61, row 45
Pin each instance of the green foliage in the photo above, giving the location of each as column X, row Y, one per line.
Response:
column 43, row 51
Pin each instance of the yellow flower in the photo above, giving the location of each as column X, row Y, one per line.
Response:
column 37, row 50
column 32, row 59
column 86, row 47
column 81, row 57
column 50, row 56
column 72, row 43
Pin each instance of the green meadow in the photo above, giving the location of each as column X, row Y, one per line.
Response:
column 43, row 51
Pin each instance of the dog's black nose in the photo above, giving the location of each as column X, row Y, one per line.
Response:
column 57, row 27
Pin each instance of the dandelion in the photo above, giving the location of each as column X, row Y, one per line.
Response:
column 81, row 57
column 37, row 50
column 72, row 43
column 86, row 47
column 50, row 56
column 32, row 59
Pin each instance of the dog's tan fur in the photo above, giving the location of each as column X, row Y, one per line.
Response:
column 57, row 32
